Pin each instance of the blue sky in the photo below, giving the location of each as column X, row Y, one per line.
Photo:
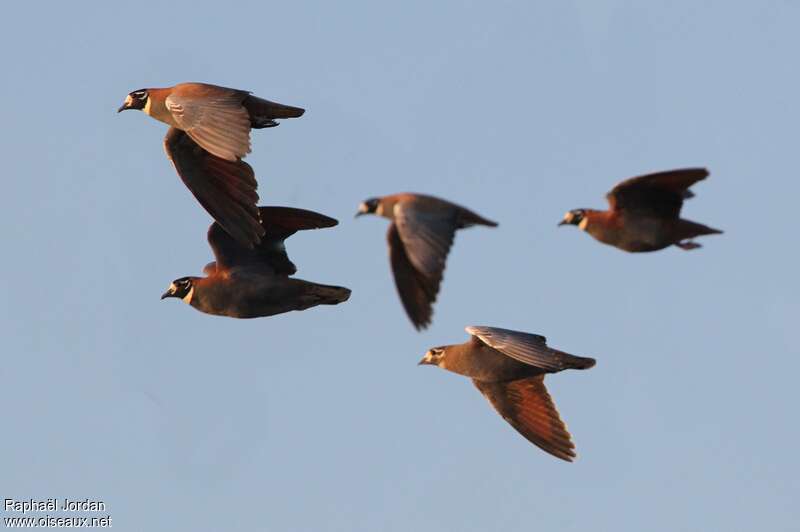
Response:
column 321, row 420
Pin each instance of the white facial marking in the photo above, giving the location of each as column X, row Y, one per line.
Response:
column 188, row 297
column 379, row 209
column 583, row 223
column 147, row 107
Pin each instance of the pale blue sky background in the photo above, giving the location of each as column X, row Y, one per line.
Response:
column 321, row 420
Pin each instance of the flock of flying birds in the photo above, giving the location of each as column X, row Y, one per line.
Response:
column 209, row 136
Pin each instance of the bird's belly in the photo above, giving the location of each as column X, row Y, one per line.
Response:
column 245, row 298
column 490, row 365
column 160, row 112
column 637, row 234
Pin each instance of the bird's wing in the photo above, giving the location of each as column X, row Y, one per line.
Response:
column 660, row 194
column 416, row 292
column 215, row 119
column 226, row 189
column 526, row 406
column 527, row 348
column 427, row 232
column 279, row 223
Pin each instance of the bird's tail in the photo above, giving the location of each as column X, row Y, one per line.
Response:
column 329, row 295
column 467, row 218
column 687, row 230
column 264, row 112
column 574, row 362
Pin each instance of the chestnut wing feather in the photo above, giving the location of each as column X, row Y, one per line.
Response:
column 526, row 405
column 226, row 189
column 659, row 194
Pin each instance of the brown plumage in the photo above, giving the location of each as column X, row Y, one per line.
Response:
column 251, row 283
column 508, row 368
column 208, row 137
column 419, row 237
column 644, row 213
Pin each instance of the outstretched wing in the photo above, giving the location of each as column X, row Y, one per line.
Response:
column 416, row 293
column 427, row 234
column 660, row 194
column 278, row 223
column 528, row 348
column 214, row 117
column 226, row 189
column 526, row 406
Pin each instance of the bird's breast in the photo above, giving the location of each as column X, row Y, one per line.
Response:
column 228, row 295
column 632, row 233
column 486, row 364
column 156, row 107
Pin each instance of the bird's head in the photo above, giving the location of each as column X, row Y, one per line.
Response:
column 573, row 217
column 182, row 288
column 135, row 100
column 369, row 206
column 434, row 357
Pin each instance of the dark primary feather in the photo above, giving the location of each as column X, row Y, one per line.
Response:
column 420, row 239
column 226, row 189
column 427, row 236
column 279, row 223
column 526, row 406
column 659, row 194
column 528, row 348
column 416, row 292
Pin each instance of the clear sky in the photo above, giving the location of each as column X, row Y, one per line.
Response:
column 321, row 420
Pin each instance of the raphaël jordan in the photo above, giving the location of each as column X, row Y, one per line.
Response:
column 51, row 505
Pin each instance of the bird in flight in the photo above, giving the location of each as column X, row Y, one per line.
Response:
column 251, row 283
column 209, row 135
column 420, row 237
column 644, row 213
column 508, row 368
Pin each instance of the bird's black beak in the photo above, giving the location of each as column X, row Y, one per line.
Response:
column 128, row 104
column 427, row 359
column 168, row 293
column 362, row 209
column 562, row 222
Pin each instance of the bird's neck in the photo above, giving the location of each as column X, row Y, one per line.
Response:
column 156, row 106
column 457, row 359
column 592, row 218
column 386, row 207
